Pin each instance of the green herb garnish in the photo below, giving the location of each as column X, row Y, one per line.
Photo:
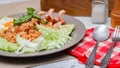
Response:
column 30, row 14
column 35, row 15
column 44, row 21
column 30, row 11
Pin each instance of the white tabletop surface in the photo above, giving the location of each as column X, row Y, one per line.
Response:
column 88, row 23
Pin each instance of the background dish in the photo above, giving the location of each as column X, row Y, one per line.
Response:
column 77, row 35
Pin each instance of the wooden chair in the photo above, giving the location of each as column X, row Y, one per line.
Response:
column 72, row 7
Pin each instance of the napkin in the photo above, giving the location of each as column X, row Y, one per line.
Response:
column 84, row 48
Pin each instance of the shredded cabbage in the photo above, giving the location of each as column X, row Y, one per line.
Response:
column 28, row 46
column 55, row 38
column 10, row 47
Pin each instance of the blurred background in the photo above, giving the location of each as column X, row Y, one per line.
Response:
column 9, row 7
column 72, row 7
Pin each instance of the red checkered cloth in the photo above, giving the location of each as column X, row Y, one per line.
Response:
column 85, row 47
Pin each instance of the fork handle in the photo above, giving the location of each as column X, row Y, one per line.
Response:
column 90, row 60
column 105, row 61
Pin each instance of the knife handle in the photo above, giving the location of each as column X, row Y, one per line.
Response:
column 91, row 58
column 105, row 61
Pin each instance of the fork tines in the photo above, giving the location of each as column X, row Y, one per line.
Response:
column 116, row 33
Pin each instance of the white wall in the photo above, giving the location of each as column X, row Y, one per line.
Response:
column 9, row 7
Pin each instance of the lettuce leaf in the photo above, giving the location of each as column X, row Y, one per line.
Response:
column 8, row 46
column 55, row 38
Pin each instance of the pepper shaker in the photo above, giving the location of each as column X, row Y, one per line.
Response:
column 99, row 11
column 115, row 14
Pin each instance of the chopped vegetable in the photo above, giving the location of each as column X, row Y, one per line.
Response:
column 8, row 46
column 55, row 38
column 30, row 11
column 30, row 14
column 35, row 15
column 44, row 21
column 21, row 19
column 28, row 46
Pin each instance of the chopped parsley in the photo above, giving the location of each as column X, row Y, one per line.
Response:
column 30, row 14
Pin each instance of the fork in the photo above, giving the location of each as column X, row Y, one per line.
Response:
column 116, row 38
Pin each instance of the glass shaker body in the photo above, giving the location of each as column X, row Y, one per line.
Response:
column 99, row 11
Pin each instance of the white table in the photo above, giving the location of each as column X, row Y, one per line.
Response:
column 88, row 23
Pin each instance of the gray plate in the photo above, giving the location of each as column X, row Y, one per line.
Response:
column 77, row 35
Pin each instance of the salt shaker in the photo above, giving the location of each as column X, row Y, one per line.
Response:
column 99, row 11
